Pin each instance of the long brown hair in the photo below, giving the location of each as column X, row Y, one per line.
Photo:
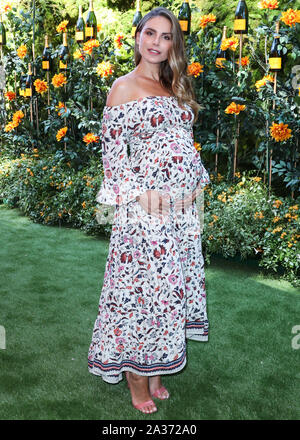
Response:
column 173, row 71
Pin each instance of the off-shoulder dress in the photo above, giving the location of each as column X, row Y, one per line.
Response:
column 153, row 296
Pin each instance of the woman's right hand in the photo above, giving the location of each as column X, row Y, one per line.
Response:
column 155, row 203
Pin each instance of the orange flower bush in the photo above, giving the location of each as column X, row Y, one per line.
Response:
column 195, row 69
column 290, row 17
column 90, row 137
column 205, row 19
column 61, row 133
column 280, row 132
column 78, row 54
column 230, row 43
column 7, row 7
column 40, row 86
column 17, row 117
column 262, row 82
column 268, row 4
column 244, row 61
column 10, row 126
column 118, row 40
column 59, row 108
column 62, row 27
column 59, row 80
column 10, row 96
column 234, row 108
column 104, row 69
column 22, row 51
column 89, row 46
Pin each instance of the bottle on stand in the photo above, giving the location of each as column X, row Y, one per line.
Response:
column 184, row 17
column 80, row 28
column 2, row 32
column 275, row 55
column 22, row 88
column 29, row 83
column 46, row 57
column 64, row 54
column 91, row 24
column 137, row 18
column 240, row 25
column 222, row 54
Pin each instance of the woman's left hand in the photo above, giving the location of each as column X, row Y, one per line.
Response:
column 182, row 204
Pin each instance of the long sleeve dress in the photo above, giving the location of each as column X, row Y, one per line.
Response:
column 153, row 296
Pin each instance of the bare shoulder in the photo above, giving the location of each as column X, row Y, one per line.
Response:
column 121, row 91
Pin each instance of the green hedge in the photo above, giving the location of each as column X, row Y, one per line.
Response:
column 240, row 218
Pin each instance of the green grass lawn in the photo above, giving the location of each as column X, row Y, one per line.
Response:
column 51, row 279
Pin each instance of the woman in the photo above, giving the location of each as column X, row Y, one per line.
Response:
column 153, row 295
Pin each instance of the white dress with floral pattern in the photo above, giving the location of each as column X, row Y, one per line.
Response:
column 153, row 296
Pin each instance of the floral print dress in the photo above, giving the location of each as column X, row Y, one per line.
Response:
column 153, row 296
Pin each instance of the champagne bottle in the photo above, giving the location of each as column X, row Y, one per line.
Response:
column 80, row 28
column 29, row 83
column 64, row 55
column 184, row 17
column 275, row 55
column 46, row 57
column 91, row 23
column 241, row 18
column 22, row 88
column 137, row 18
column 222, row 54
column 2, row 32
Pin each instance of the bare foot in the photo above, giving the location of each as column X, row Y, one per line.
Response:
column 154, row 385
column 139, row 388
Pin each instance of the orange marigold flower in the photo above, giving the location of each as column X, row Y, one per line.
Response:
column 277, row 203
column 78, row 54
column 59, row 108
column 278, row 229
column 40, row 86
column 61, row 133
column 268, row 4
column 197, row 145
column 290, row 17
column 22, row 51
column 17, row 116
column 10, row 96
column 280, row 132
column 205, row 19
column 83, row 205
column 90, row 137
column 195, row 69
column 262, row 82
column 104, row 69
column 89, row 46
column 62, row 27
column 258, row 215
column 234, row 108
column 230, row 43
column 99, row 27
column 118, row 40
column 10, row 126
column 244, row 61
column 59, row 80
column 7, row 7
